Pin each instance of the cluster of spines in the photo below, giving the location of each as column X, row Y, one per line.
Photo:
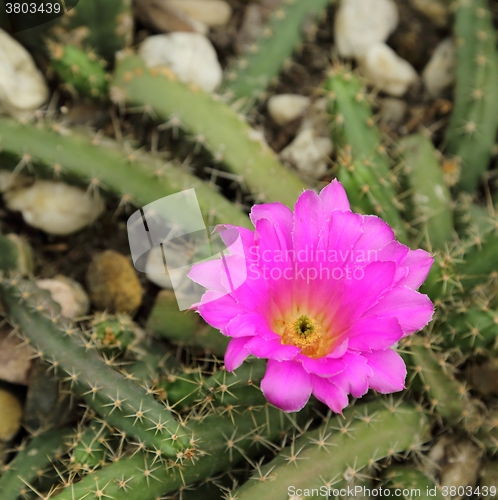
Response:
column 250, row 75
column 471, row 133
column 105, row 26
column 81, row 71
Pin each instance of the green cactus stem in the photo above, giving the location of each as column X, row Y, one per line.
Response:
column 431, row 196
column 250, row 75
column 338, row 449
column 471, row 133
column 137, row 178
column 31, row 458
column 120, row 401
column 214, row 125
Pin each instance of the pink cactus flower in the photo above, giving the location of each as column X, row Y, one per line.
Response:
column 326, row 293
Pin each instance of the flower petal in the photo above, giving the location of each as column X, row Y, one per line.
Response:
column 389, row 371
column 249, row 324
column 330, row 394
column 323, row 367
column 364, row 288
column 280, row 218
column 334, row 197
column 220, row 311
column 236, row 353
column 376, row 235
column 271, row 349
column 374, row 332
column 412, row 309
column 355, row 378
column 208, row 274
column 286, row 385
column 419, row 263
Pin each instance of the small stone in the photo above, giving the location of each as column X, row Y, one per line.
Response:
column 16, row 358
column 113, row 284
column 22, row 87
column 55, row 207
column 209, row 12
column 69, row 294
column 317, row 118
column 439, row 73
column 251, row 27
column 308, row 153
column 10, row 416
column 360, row 24
column 163, row 17
column 285, row 108
column 190, row 55
column 382, row 67
column 393, row 110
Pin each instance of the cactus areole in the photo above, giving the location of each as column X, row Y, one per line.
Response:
column 322, row 292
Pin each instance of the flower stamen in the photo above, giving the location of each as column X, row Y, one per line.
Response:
column 305, row 333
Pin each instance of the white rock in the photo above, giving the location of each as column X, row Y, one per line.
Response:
column 308, row 153
column 362, row 23
column 285, row 108
column 55, row 207
column 190, row 55
column 440, row 70
column 22, row 87
column 69, row 294
column 393, row 110
column 386, row 70
column 209, row 12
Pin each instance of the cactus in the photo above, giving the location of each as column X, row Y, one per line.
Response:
column 79, row 70
column 472, row 130
column 363, row 164
column 90, row 447
column 431, row 196
column 252, row 73
column 103, row 25
column 222, row 388
column 214, row 124
column 221, row 441
column 449, row 397
column 338, row 449
column 119, row 400
column 31, row 458
column 113, row 334
column 138, row 180
column 184, row 328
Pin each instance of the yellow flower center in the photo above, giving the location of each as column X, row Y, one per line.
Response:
column 305, row 333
